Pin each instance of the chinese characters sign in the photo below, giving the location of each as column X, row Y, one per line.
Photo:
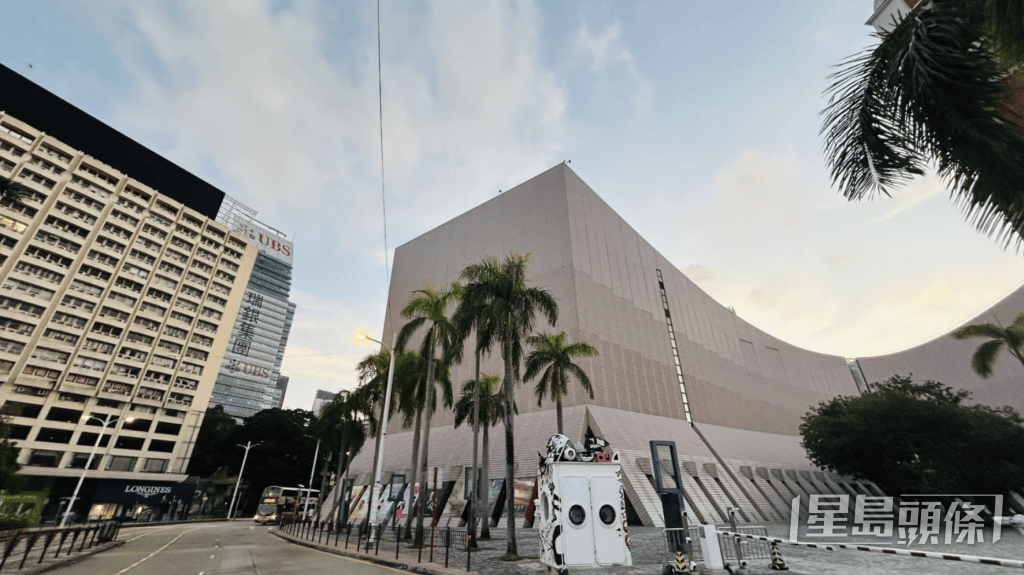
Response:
column 924, row 520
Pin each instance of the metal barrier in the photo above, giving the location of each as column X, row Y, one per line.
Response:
column 750, row 548
column 18, row 547
column 675, row 538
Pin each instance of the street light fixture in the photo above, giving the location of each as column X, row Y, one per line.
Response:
column 248, row 445
column 363, row 337
column 88, row 463
column 309, row 493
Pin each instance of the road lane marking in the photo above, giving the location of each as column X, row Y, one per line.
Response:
column 140, row 561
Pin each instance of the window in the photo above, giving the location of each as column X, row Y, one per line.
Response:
column 118, row 297
column 77, row 302
column 157, row 294
column 106, row 329
column 137, row 424
column 86, row 287
column 154, row 231
column 136, row 337
column 98, row 346
column 102, row 258
column 125, row 442
column 21, row 409
column 154, row 465
column 121, row 463
column 143, row 196
column 168, row 428
column 111, row 313
column 144, row 258
column 94, row 272
column 116, row 230
column 129, row 285
column 185, row 383
column 168, row 345
column 132, row 221
column 86, row 438
column 78, row 461
column 48, row 354
column 64, row 415
column 182, row 317
column 146, row 323
column 59, row 242
column 161, row 446
column 41, row 458
column 135, row 270
column 90, row 363
column 50, row 435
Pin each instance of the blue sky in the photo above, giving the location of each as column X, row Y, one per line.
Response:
column 696, row 121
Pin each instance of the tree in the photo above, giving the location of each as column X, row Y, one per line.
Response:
column 9, row 467
column 342, row 431
column 413, row 405
column 482, row 395
column 11, row 191
column 553, row 357
column 937, row 89
column 212, row 447
column 917, row 438
column 508, row 309
column 285, row 453
column 984, row 358
column 428, row 307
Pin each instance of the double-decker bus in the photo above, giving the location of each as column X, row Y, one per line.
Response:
column 278, row 503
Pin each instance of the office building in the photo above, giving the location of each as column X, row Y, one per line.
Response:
column 117, row 290
column 250, row 377
column 323, row 397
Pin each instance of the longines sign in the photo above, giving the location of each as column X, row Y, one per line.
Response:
column 147, row 493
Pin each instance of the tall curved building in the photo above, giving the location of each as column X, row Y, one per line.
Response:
column 673, row 363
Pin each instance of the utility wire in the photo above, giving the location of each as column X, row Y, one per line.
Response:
column 383, row 195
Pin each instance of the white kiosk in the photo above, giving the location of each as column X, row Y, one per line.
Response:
column 581, row 507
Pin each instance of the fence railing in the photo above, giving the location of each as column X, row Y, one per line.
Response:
column 26, row 547
column 363, row 538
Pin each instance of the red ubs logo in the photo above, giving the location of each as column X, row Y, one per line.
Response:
column 270, row 242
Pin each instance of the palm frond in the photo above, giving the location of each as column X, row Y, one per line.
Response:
column 931, row 91
column 978, row 330
column 984, row 358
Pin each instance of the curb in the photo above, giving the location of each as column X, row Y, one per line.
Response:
column 70, row 560
column 368, row 558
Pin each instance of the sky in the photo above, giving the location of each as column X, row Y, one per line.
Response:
column 696, row 121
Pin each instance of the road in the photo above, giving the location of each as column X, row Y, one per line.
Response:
column 213, row 549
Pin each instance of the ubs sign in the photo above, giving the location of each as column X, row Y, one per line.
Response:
column 269, row 243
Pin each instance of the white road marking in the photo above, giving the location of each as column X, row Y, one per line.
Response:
column 140, row 561
column 212, row 556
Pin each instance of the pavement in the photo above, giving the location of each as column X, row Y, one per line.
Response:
column 650, row 555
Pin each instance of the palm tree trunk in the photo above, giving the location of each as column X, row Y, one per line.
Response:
column 415, row 468
column 485, row 507
column 510, row 454
column 556, row 391
column 474, row 509
column 429, row 408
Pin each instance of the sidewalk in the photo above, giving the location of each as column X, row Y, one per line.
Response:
column 647, row 546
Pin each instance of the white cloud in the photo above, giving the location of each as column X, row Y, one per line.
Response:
column 607, row 50
column 913, row 194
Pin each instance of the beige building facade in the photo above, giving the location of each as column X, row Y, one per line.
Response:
column 673, row 363
column 117, row 300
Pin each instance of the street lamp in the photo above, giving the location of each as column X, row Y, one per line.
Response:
column 104, row 422
column 248, row 445
column 363, row 337
column 309, row 493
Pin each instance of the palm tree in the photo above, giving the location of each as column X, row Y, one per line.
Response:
column 412, row 406
column 428, row 307
column 553, row 357
column 984, row 358
column 937, row 89
column 482, row 395
column 11, row 191
column 507, row 312
column 342, row 429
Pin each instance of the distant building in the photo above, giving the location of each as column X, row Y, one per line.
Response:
column 282, row 388
column 321, row 400
column 249, row 377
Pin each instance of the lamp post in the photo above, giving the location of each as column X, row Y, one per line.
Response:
column 312, row 470
column 104, row 422
column 248, row 445
column 362, row 337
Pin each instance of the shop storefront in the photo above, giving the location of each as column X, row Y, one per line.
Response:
column 141, row 500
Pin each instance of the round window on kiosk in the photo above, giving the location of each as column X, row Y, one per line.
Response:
column 577, row 515
column 606, row 514
column 544, row 508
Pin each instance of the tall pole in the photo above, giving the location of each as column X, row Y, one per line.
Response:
column 377, row 465
column 309, row 493
column 234, row 496
column 88, row 463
